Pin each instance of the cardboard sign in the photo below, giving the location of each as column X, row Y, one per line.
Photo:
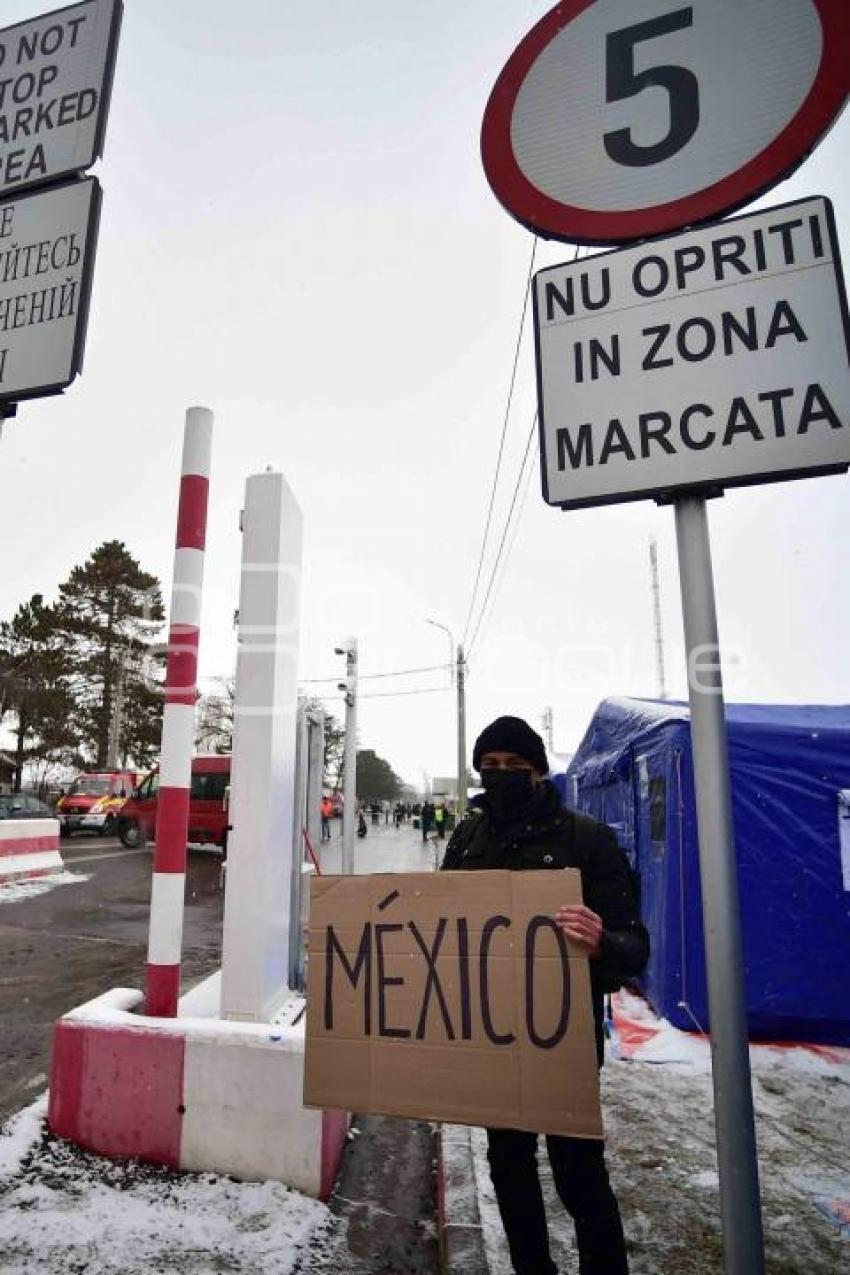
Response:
column 451, row 996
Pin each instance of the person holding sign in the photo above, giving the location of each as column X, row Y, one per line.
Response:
column 519, row 822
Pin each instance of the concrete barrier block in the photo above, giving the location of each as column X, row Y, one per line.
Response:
column 29, row 848
column 194, row 1093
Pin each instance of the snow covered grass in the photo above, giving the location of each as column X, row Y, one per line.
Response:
column 660, row 1131
column 15, row 891
column 62, row 1211
column 661, row 1157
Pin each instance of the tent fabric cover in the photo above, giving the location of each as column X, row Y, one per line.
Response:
column 789, row 764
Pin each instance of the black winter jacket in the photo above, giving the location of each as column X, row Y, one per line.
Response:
column 562, row 838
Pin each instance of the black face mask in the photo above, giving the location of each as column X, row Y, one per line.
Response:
column 507, row 789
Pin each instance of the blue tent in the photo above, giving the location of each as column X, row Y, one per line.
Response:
column 790, row 768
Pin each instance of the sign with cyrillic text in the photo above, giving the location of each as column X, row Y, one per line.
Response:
column 47, row 248
column 715, row 358
column 55, row 82
column 451, row 996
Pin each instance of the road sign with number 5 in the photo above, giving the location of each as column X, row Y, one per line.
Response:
column 615, row 120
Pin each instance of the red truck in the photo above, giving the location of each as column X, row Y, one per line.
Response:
column 208, row 802
column 93, row 801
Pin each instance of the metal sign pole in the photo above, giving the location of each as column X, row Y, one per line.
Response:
column 349, row 782
column 7, row 410
column 299, row 824
column 740, row 1204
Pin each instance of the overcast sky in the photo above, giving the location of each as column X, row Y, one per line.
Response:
column 297, row 233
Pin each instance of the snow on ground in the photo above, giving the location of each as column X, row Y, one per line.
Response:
column 661, row 1157
column 19, row 1136
column 15, row 891
column 64, row 1212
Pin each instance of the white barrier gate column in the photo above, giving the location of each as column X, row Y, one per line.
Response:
column 255, row 951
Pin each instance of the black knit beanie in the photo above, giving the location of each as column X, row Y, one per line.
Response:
column 511, row 735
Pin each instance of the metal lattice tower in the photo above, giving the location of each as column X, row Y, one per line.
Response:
column 656, row 609
column 548, row 728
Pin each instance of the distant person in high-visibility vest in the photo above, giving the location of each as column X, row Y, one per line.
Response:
column 440, row 821
column 519, row 822
column 327, row 815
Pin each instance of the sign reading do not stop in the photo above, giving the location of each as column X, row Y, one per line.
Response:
column 618, row 119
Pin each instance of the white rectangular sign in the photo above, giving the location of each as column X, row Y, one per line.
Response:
column 47, row 249
column 55, row 81
column 714, row 358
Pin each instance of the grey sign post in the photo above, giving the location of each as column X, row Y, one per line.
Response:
column 660, row 376
column 734, row 1120
column 670, row 370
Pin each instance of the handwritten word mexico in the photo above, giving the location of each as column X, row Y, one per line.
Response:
column 466, row 963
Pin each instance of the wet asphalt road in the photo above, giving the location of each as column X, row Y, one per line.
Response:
column 70, row 944
column 384, row 1201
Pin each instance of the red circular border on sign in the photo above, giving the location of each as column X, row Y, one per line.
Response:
column 554, row 220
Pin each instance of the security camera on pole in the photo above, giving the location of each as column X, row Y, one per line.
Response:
column 349, row 783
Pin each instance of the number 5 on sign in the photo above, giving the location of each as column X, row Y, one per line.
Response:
column 622, row 80
column 618, row 119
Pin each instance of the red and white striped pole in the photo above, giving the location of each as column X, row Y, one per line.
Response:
column 165, row 936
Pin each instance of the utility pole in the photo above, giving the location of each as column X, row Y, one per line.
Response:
column 456, row 674
column 349, row 783
column 116, row 724
column 461, row 734
column 656, row 609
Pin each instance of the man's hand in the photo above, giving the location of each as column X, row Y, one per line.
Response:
column 581, row 926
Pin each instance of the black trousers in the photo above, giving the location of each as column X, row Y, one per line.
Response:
column 581, row 1180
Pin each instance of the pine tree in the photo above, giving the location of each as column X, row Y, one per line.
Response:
column 35, row 686
column 141, row 732
column 111, row 611
column 376, row 779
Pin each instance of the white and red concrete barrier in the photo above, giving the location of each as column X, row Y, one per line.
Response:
column 29, row 848
column 192, row 1093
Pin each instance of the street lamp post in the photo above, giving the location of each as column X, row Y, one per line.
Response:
column 457, row 673
column 349, row 783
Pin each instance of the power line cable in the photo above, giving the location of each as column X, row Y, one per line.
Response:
column 514, row 535
column 575, row 257
column 501, row 440
column 402, row 672
column 423, row 690
column 504, row 533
